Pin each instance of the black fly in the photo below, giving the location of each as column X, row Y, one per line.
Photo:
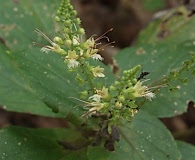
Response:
column 142, row 75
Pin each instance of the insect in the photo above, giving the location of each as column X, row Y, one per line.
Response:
column 142, row 75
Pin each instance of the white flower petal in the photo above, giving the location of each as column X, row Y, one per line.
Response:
column 72, row 63
column 150, row 96
column 100, row 75
column 45, row 49
column 97, row 57
column 96, row 97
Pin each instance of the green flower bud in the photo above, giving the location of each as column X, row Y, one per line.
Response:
column 73, row 13
column 68, row 43
column 134, row 81
column 58, row 40
column 57, row 19
column 129, row 84
column 112, row 88
column 118, row 104
column 121, row 98
column 68, row 23
column 66, row 30
column 77, row 21
column 123, row 78
column 58, row 12
column 81, row 31
column 117, row 83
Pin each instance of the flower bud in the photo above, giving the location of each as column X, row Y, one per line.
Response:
column 112, row 88
column 68, row 42
column 121, row 98
column 57, row 19
column 81, row 31
column 118, row 104
column 58, row 40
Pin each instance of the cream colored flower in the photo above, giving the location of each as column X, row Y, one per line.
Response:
column 96, row 97
column 96, row 106
column 75, row 41
column 150, row 96
column 72, row 63
column 89, row 43
column 72, row 59
column 139, row 89
column 100, row 94
column 97, row 57
column 91, row 49
column 143, row 91
column 45, row 49
column 98, row 72
column 103, row 93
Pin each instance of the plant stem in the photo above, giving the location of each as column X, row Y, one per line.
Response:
column 88, row 77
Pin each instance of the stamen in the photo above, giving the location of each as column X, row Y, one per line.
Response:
column 38, row 44
column 104, row 34
column 159, row 86
column 42, row 34
column 81, row 100
column 101, row 48
column 87, row 113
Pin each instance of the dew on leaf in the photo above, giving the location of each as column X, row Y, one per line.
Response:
column 45, row 7
column 184, row 93
column 21, row 15
column 15, row 9
column 178, row 87
column 140, row 51
column 4, row 155
column 68, row 81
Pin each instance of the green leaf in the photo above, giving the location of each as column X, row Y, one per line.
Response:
column 18, row 20
column 33, row 82
column 23, row 143
column 187, row 150
column 145, row 138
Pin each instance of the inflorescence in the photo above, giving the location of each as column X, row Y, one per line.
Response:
column 117, row 100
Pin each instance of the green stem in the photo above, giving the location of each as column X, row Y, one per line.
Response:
column 87, row 76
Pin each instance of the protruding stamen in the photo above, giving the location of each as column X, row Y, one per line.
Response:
column 42, row 34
